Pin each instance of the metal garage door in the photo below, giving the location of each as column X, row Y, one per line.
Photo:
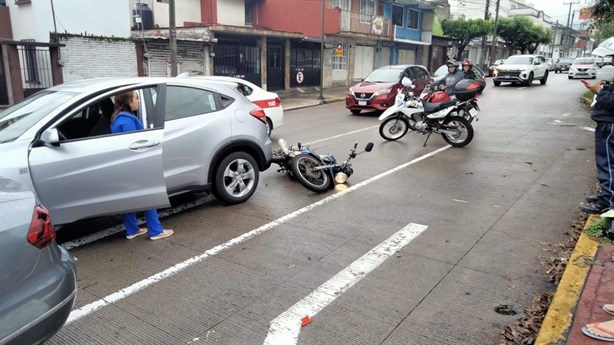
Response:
column 407, row 57
column 363, row 61
column 385, row 56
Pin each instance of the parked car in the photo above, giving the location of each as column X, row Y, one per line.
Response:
column 583, row 67
column 266, row 100
column 441, row 72
column 378, row 90
column 38, row 283
column 522, row 69
column 491, row 68
column 562, row 65
column 199, row 135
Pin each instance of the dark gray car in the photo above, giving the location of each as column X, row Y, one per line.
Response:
column 199, row 135
column 38, row 282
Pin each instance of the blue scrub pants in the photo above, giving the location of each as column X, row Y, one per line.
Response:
column 604, row 159
column 153, row 223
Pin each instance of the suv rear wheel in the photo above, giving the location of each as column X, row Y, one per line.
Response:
column 236, row 178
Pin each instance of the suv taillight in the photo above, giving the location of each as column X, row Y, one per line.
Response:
column 41, row 232
column 259, row 114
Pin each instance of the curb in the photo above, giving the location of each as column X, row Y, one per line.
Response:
column 559, row 316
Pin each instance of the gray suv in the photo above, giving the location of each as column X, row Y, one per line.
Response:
column 199, row 135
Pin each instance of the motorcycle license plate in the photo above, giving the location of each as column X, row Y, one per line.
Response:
column 362, row 102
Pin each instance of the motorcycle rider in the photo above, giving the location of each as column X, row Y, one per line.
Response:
column 454, row 76
column 468, row 70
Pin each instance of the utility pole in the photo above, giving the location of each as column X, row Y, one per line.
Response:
column 554, row 38
column 494, row 36
column 569, row 14
column 484, row 38
column 172, row 37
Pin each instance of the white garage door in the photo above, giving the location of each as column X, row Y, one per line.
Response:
column 407, row 57
column 363, row 61
column 385, row 56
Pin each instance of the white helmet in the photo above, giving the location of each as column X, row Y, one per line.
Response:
column 407, row 82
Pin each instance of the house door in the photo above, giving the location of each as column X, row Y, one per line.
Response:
column 275, row 67
column 363, row 61
column 385, row 57
column 439, row 57
column 407, row 57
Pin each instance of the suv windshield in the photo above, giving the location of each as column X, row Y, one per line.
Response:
column 385, row 75
column 519, row 60
column 17, row 119
column 584, row 61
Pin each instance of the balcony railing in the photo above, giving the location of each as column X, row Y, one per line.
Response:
column 365, row 24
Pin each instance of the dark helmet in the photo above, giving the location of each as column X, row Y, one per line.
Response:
column 467, row 62
column 452, row 63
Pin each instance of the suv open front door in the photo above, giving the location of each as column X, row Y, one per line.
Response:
column 108, row 174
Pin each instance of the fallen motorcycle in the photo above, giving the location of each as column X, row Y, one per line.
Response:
column 318, row 173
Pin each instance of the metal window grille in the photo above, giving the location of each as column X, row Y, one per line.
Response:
column 305, row 58
column 234, row 59
column 340, row 62
column 367, row 10
column 35, row 64
column 4, row 91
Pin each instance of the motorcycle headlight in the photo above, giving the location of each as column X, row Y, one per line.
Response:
column 382, row 92
column 341, row 177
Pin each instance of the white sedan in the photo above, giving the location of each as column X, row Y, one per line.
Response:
column 268, row 101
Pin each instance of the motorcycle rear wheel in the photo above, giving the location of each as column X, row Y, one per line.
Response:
column 463, row 132
column 315, row 180
column 393, row 128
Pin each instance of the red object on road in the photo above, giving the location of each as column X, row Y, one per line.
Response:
column 305, row 321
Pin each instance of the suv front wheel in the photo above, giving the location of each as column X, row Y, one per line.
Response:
column 544, row 79
column 236, row 178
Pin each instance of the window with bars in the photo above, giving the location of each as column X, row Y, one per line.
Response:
column 412, row 19
column 340, row 62
column 367, row 10
column 397, row 15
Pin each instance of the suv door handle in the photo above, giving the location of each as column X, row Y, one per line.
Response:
column 142, row 145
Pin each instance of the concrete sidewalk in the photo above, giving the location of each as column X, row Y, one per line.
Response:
column 306, row 97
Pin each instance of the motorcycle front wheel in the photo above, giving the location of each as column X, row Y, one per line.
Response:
column 303, row 170
column 460, row 131
column 393, row 128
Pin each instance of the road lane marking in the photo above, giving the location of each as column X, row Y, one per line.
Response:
column 286, row 327
column 589, row 129
column 125, row 292
column 341, row 135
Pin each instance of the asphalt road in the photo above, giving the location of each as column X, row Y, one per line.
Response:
column 421, row 248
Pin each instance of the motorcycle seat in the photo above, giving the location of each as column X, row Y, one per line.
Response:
column 435, row 107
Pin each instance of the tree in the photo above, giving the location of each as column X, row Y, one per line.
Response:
column 521, row 34
column 463, row 31
column 603, row 11
column 536, row 36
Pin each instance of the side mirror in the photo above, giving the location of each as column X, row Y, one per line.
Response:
column 50, row 137
column 369, row 147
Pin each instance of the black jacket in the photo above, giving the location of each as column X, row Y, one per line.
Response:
column 603, row 111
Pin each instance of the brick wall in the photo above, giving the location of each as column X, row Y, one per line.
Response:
column 91, row 57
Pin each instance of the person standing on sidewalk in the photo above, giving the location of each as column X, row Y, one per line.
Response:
column 603, row 115
column 123, row 120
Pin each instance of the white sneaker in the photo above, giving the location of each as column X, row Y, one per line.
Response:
column 164, row 234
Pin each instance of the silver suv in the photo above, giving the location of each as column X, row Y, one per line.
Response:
column 199, row 135
column 522, row 69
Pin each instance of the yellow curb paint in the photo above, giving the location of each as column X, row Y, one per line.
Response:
column 559, row 316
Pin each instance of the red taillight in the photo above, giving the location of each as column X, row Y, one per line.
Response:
column 41, row 232
column 277, row 101
column 259, row 114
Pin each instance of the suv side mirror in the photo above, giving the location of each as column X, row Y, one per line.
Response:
column 50, row 137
